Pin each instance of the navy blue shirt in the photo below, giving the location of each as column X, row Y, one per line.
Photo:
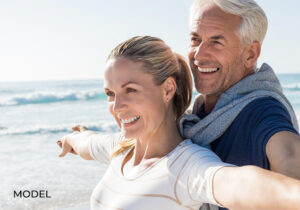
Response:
column 244, row 142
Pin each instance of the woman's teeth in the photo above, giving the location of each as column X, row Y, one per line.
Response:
column 208, row 70
column 130, row 120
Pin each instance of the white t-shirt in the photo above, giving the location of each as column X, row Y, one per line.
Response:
column 180, row 180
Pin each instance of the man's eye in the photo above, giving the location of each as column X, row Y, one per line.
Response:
column 217, row 42
column 195, row 41
column 130, row 90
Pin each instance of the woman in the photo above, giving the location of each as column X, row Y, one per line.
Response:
column 150, row 165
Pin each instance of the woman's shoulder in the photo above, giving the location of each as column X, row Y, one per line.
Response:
column 188, row 146
column 187, row 151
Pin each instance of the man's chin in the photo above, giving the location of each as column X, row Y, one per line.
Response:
column 207, row 89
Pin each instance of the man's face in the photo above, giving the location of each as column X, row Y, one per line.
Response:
column 215, row 52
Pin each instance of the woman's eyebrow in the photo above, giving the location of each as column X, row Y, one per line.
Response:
column 124, row 85
column 130, row 82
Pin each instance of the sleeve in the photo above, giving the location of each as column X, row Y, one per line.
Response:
column 197, row 168
column 269, row 118
column 102, row 146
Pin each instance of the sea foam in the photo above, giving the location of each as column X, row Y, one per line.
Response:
column 38, row 97
column 61, row 128
column 292, row 87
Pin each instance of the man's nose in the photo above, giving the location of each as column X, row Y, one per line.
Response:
column 201, row 51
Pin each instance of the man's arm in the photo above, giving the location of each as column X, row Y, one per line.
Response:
column 283, row 152
column 250, row 187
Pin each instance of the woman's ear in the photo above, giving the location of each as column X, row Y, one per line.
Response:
column 251, row 54
column 169, row 89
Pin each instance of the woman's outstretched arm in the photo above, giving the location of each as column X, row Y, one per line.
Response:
column 76, row 143
column 250, row 187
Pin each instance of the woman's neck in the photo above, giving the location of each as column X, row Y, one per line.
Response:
column 150, row 150
column 157, row 144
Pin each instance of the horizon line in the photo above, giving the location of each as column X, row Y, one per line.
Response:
column 81, row 79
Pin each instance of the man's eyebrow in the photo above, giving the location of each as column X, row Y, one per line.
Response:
column 217, row 37
column 193, row 34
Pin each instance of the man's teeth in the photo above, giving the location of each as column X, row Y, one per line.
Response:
column 129, row 120
column 208, row 69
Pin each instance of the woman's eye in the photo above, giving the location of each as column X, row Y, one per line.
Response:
column 109, row 93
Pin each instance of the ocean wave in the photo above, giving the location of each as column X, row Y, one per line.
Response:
column 50, row 97
column 6, row 91
column 292, row 87
column 106, row 127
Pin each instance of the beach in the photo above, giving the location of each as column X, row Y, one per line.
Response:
column 34, row 115
column 79, row 207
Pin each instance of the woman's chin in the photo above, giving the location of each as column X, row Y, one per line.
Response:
column 129, row 135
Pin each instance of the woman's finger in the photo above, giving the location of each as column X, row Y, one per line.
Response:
column 66, row 148
column 63, row 153
column 83, row 128
column 79, row 128
column 76, row 128
column 59, row 143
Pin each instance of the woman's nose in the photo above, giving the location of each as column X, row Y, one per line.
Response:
column 119, row 105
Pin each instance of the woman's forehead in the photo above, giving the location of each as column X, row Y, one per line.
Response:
column 121, row 71
column 122, row 64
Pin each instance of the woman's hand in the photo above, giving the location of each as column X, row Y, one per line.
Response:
column 79, row 128
column 76, row 143
column 66, row 146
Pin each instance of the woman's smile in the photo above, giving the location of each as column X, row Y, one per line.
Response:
column 127, row 122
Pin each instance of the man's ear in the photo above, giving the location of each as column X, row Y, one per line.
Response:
column 169, row 89
column 251, row 54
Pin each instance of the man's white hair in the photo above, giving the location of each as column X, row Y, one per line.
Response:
column 254, row 21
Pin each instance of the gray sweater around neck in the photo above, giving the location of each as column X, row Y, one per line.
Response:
column 263, row 83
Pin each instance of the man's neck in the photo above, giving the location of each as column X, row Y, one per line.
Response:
column 210, row 102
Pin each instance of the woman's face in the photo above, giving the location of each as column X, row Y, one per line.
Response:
column 134, row 100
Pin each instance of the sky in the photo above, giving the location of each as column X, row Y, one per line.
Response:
column 70, row 39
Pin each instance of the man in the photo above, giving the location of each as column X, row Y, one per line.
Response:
column 242, row 113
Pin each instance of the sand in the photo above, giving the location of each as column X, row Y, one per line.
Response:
column 80, row 207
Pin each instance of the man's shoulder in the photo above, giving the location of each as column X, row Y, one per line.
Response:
column 264, row 114
column 269, row 104
column 267, row 99
column 244, row 141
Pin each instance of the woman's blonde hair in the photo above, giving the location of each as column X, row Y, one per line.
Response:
column 160, row 62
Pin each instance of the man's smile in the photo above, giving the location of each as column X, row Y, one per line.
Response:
column 208, row 70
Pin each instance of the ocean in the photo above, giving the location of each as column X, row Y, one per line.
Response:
column 34, row 115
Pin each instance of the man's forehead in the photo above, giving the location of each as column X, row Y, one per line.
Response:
column 212, row 16
column 206, row 10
